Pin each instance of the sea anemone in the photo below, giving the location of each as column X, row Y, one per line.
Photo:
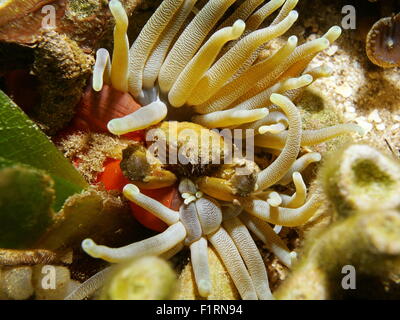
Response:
column 382, row 43
column 215, row 78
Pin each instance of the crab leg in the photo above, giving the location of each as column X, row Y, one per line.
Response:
column 230, row 255
column 251, row 256
column 152, row 246
column 199, row 256
column 267, row 235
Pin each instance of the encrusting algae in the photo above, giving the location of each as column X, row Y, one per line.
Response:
column 216, row 81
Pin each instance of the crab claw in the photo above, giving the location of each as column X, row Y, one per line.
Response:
column 143, row 169
column 231, row 181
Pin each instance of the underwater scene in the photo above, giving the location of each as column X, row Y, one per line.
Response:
column 199, row 149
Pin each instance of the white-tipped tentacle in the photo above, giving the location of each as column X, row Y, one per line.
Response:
column 230, row 117
column 308, row 137
column 299, row 197
column 267, row 235
column 143, row 118
column 201, row 62
column 199, row 258
column 172, row 252
column 299, row 165
column 101, row 70
column 90, row 286
column 132, row 193
column 274, row 172
column 152, row 246
column 287, row 217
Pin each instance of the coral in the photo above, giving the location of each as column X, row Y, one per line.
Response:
column 26, row 196
column 25, row 282
column 219, row 85
column 362, row 184
column 62, row 50
column 368, row 241
column 62, row 69
column 12, row 257
column 148, row 278
column 358, row 178
column 382, row 44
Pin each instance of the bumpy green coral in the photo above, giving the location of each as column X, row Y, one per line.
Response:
column 148, row 278
column 363, row 185
column 359, row 177
column 26, row 196
column 370, row 242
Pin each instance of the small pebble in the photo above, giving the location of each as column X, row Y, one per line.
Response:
column 381, row 127
column 345, row 91
column 374, row 117
column 364, row 124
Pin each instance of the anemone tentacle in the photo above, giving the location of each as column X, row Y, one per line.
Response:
column 251, row 256
column 267, row 235
column 160, row 50
column 141, row 48
column 199, row 257
column 102, row 69
column 230, row 255
column 219, row 83
column 274, row 172
column 287, row 217
column 190, row 41
column 155, row 245
column 299, row 165
column 308, row 137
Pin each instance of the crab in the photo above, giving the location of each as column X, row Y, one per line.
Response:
column 193, row 82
